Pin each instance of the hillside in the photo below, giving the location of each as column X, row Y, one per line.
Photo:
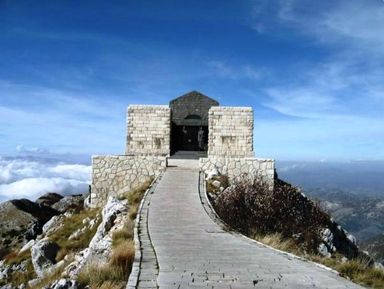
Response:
column 375, row 247
column 70, row 245
column 361, row 215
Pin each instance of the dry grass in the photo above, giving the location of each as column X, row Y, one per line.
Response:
column 70, row 225
column 277, row 241
column 49, row 279
column 135, row 195
column 114, row 274
column 15, row 258
column 357, row 270
column 125, row 233
column 224, row 182
column 18, row 278
column 123, row 255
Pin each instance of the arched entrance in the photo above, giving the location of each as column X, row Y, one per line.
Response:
column 189, row 131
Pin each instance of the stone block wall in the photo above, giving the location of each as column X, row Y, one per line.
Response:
column 230, row 131
column 115, row 175
column 148, row 130
column 238, row 168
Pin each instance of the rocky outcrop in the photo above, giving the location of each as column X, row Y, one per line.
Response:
column 49, row 199
column 74, row 203
column 22, row 220
column 43, row 256
column 63, row 284
column 114, row 216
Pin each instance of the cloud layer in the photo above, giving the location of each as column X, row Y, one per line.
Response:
column 23, row 178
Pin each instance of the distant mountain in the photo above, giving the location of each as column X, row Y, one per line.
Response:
column 359, row 177
column 362, row 216
column 351, row 192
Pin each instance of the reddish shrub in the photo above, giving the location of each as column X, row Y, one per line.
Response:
column 252, row 207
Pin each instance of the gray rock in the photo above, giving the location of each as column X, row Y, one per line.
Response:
column 22, row 220
column 21, row 267
column 27, row 246
column 212, row 173
column 87, row 202
column 352, row 238
column 70, row 203
column 43, row 256
column 216, row 184
column 5, row 270
column 323, row 250
column 7, row 286
column 100, row 245
column 49, row 199
column 34, row 282
column 53, row 224
column 63, row 284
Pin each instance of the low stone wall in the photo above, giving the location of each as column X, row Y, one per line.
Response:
column 115, row 175
column 237, row 168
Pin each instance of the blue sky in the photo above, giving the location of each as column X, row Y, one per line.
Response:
column 312, row 71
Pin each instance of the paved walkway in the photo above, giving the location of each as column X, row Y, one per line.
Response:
column 194, row 252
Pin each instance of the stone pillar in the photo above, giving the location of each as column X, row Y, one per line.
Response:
column 148, row 130
column 230, row 131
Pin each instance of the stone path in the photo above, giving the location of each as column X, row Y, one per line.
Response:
column 195, row 252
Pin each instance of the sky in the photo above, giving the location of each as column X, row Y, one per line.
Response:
column 311, row 70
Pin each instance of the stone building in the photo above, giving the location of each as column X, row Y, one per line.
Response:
column 222, row 138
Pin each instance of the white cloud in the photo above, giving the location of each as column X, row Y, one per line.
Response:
column 347, row 79
column 25, row 178
column 224, row 70
column 34, row 150
column 32, row 188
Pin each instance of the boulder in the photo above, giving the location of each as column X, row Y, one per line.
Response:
column 70, row 203
column 53, row 224
column 216, row 184
column 49, row 199
column 43, row 256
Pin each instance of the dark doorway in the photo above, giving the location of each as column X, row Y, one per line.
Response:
column 185, row 138
column 189, row 114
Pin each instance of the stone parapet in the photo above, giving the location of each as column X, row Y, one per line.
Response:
column 115, row 175
column 230, row 131
column 148, row 130
column 239, row 168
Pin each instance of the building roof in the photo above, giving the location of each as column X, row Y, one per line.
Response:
column 191, row 108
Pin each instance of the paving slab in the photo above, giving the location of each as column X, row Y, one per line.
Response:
column 193, row 251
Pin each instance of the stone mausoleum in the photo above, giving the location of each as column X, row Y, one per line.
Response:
column 192, row 125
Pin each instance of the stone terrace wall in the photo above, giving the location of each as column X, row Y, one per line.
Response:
column 237, row 168
column 149, row 128
column 230, row 131
column 114, row 175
